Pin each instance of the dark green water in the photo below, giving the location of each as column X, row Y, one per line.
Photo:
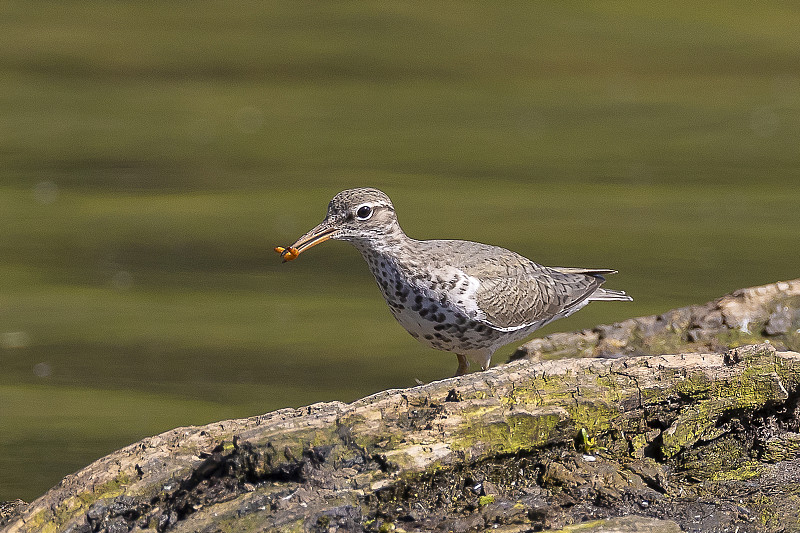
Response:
column 152, row 154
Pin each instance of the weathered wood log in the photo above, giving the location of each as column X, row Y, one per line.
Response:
column 530, row 443
column 704, row 442
column 754, row 315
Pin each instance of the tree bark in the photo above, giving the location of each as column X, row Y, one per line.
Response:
column 703, row 441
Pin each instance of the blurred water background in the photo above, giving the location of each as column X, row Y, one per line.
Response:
column 153, row 153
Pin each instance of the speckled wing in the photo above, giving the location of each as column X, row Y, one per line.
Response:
column 515, row 292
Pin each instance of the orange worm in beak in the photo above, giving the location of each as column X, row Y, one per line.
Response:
column 287, row 254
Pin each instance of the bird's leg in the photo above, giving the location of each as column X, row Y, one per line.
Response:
column 463, row 365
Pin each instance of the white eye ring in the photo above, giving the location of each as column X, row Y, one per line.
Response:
column 364, row 212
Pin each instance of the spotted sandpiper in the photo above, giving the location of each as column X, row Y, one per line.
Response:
column 459, row 296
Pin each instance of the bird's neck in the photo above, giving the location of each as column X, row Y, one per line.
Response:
column 394, row 246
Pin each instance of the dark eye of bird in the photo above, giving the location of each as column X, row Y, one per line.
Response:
column 364, row 212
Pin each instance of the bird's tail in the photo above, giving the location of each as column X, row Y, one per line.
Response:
column 609, row 295
column 587, row 271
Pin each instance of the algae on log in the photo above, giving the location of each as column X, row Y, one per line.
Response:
column 525, row 445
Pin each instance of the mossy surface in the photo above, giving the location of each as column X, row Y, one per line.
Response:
column 517, row 432
column 53, row 519
column 781, row 448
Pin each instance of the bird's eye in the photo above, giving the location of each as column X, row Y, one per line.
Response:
column 364, row 212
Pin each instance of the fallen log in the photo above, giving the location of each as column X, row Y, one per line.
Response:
column 689, row 441
column 769, row 313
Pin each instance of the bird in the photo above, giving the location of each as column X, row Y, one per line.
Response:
column 459, row 296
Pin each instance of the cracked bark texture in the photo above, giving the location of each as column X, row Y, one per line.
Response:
column 691, row 442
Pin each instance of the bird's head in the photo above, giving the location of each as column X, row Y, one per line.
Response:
column 362, row 216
